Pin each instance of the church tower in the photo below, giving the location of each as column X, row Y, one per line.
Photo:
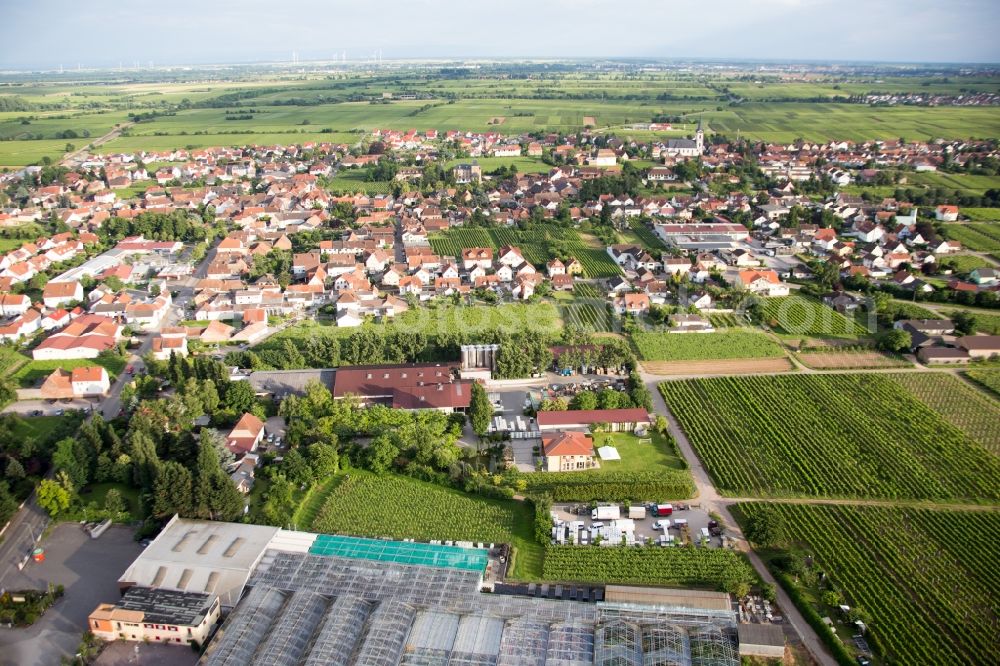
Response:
column 699, row 138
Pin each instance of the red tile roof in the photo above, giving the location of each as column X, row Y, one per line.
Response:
column 568, row 444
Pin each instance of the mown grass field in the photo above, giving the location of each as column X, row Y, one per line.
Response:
column 925, row 579
column 662, row 346
column 847, row 435
column 400, row 507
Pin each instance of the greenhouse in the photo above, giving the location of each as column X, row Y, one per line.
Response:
column 311, row 609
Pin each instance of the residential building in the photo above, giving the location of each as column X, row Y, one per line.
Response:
column 245, row 435
column 57, row 294
column 157, row 615
column 568, row 451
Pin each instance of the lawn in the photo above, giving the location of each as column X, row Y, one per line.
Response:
column 398, row 507
column 847, row 435
column 964, row 263
column 42, row 428
column 638, row 455
column 96, row 493
column 662, row 346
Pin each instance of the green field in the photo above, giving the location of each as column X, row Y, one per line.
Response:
column 847, row 435
column 985, row 322
column 510, row 317
column 353, row 180
column 979, row 237
column 596, row 317
column 982, row 214
column 538, row 246
column 969, row 410
column 286, row 108
column 712, row 568
column 988, row 378
column 968, row 262
column 925, row 580
column 39, row 428
column 32, row 373
column 795, row 315
column 658, row 346
column 400, row 507
column 523, row 164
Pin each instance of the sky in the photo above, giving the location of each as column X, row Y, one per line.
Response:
column 44, row 34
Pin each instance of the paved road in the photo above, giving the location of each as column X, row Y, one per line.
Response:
column 20, row 537
column 89, row 571
column 80, row 155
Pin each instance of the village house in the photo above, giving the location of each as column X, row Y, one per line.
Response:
column 57, row 294
column 245, row 435
column 762, row 282
column 82, row 382
column 567, row 451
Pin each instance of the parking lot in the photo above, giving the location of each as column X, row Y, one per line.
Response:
column 695, row 517
column 89, row 570
column 50, row 407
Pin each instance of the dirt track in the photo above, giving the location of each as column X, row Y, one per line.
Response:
column 717, row 367
column 835, row 360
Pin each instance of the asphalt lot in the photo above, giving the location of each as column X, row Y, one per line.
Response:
column 123, row 653
column 89, row 570
column 28, row 407
column 696, row 517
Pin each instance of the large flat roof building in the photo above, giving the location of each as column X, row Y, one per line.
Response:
column 405, row 386
column 201, row 556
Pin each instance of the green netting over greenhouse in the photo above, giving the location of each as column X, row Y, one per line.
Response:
column 401, row 552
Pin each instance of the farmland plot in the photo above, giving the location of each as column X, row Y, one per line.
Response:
column 961, row 405
column 926, row 579
column 848, row 435
column 796, row 315
column 660, row 346
column 688, row 567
